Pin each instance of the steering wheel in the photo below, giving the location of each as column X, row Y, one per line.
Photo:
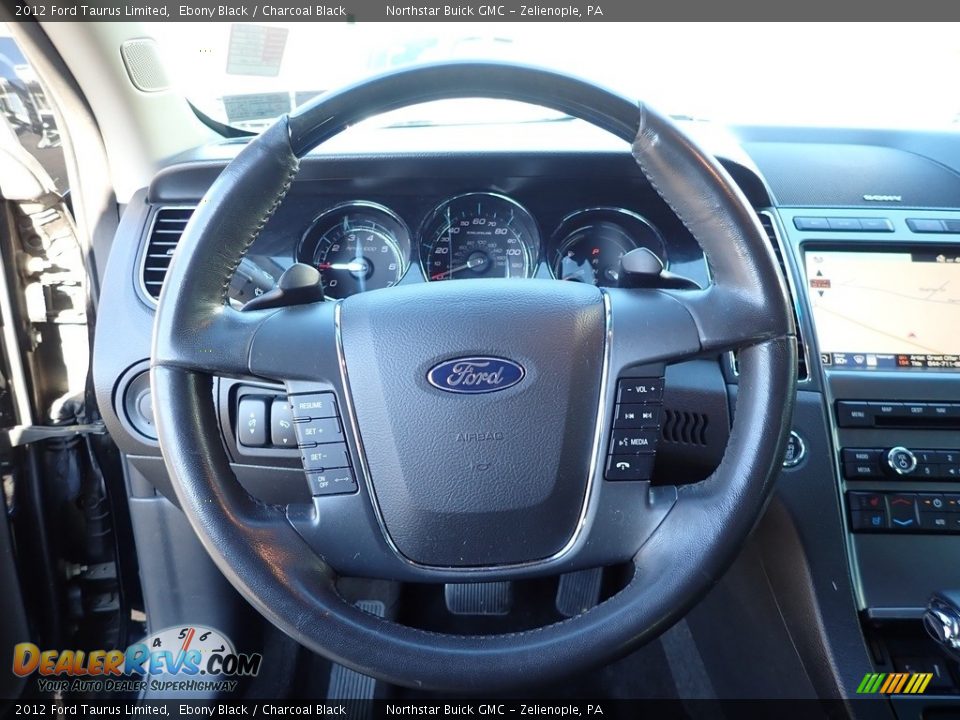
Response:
column 480, row 486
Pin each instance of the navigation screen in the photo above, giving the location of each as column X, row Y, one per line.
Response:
column 886, row 310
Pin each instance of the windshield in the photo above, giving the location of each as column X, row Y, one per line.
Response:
column 843, row 75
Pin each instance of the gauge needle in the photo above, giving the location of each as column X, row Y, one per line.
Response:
column 468, row 265
column 353, row 266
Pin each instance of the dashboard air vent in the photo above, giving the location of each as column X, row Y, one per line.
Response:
column 767, row 222
column 168, row 225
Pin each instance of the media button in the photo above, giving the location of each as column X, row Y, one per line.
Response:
column 626, row 442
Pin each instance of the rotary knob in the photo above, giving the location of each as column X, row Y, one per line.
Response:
column 942, row 622
column 901, row 460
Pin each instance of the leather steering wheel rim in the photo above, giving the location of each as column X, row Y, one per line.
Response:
column 198, row 335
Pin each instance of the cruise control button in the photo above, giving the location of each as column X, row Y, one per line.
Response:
column 639, row 390
column 319, row 431
column 331, row 482
column 633, row 441
column 252, row 422
column 281, row 425
column 637, row 416
column 324, row 457
column 629, row 467
column 315, row 405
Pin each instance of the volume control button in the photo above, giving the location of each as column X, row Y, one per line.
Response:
column 901, row 460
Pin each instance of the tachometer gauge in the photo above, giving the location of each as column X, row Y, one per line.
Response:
column 479, row 235
column 589, row 244
column 357, row 246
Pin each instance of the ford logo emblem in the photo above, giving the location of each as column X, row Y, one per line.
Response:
column 473, row 375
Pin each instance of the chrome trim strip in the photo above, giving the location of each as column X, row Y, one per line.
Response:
column 788, row 266
column 18, row 375
column 795, row 299
column 595, row 459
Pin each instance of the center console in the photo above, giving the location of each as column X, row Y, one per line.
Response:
column 881, row 295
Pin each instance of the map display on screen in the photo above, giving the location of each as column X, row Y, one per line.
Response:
column 886, row 310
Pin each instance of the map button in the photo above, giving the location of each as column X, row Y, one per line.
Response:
column 887, row 409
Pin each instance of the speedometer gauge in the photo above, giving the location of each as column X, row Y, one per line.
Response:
column 588, row 245
column 479, row 235
column 357, row 246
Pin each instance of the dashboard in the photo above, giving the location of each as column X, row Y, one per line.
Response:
column 870, row 477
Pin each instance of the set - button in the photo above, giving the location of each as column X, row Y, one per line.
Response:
column 636, row 429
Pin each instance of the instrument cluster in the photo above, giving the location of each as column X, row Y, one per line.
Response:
column 361, row 245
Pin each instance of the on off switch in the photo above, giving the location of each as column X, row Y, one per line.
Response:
column 901, row 460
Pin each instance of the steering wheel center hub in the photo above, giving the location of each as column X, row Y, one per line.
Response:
column 479, row 424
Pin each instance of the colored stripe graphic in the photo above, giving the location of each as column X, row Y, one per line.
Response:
column 894, row 683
